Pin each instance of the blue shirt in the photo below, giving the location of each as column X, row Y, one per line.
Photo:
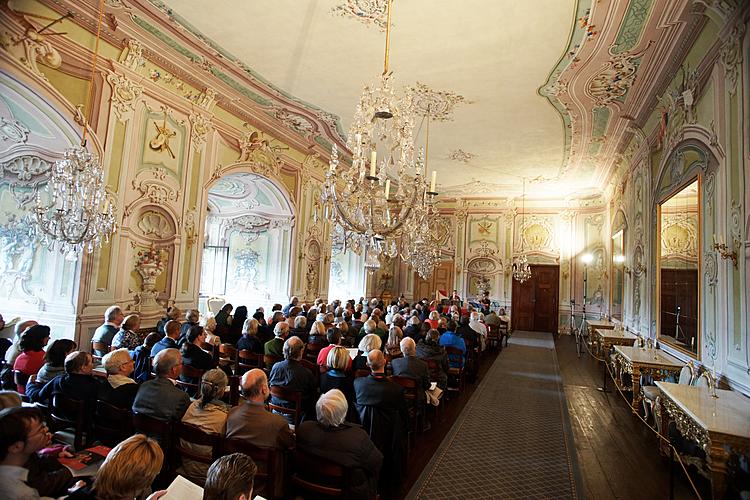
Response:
column 451, row 339
column 165, row 343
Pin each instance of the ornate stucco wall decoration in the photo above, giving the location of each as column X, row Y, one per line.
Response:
column 679, row 237
column 258, row 151
column 200, row 126
column 154, row 225
column 295, row 121
column 24, row 174
column 13, row 131
column 16, row 258
column 437, row 104
column 537, row 233
column 461, row 156
column 125, row 93
column 154, row 185
column 160, row 141
column 731, row 57
column 132, row 55
column 614, row 80
column 368, row 12
column 33, row 47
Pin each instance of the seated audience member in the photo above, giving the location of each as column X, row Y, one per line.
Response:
column 265, row 333
column 430, row 348
column 9, row 399
column 192, row 316
column 466, row 332
column 504, row 318
column 300, row 329
column 382, row 410
column 209, row 413
column 491, row 319
column 318, row 333
column 249, row 340
column 15, row 349
column 451, row 339
column 159, row 398
column 209, row 326
column 413, row 367
column 173, row 314
column 342, row 443
column 142, row 357
column 443, row 325
column 234, row 331
column 31, row 359
column 434, row 320
column 127, row 472
column 22, row 435
column 252, row 423
column 76, row 383
column 287, row 308
column 368, row 327
column 169, row 341
column 193, row 355
column 54, row 365
column 413, row 329
column 370, row 342
column 224, row 318
column 275, row 346
column 393, row 346
column 291, row 375
column 113, row 318
column 336, row 378
column 128, row 336
column 230, row 477
column 476, row 324
column 334, row 340
column 276, row 317
column 120, row 389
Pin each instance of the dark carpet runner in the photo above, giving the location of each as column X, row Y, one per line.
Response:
column 513, row 438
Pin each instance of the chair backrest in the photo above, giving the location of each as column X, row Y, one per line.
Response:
column 68, row 412
column 234, row 390
column 706, row 379
column 20, row 378
column 261, row 456
column 189, row 433
column 687, row 374
column 247, row 360
column 99, row 347
column 155, row 428
column 317, row 475
column 311, row 351
column 409, row 385
column 269, row 360
column 362, row 372
column 112, row 424
column 228, row 351
column 194, row 374
column 455, row 355
column 313, row 368
column 290, row 396
column 433, row 367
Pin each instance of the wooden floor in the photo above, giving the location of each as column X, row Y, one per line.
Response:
column 617, row 453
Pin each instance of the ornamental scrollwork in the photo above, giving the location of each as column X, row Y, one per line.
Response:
column 132, row 55
column 158, row 193
column 13, row 131
column 686, row 425
column 125, row 92
column 200, row 126
column 711, row 268
column 29, row 172
column 731, row 57
column 614, row 80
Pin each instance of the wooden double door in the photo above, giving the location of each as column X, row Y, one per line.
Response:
column 534, row 305
column 440, row 279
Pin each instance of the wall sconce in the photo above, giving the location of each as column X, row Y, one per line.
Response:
column 723, row 250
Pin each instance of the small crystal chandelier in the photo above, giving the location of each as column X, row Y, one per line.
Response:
column 73, row 212
column 521, row 268
column 360, row 198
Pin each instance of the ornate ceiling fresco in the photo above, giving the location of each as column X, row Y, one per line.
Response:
column 550, row 90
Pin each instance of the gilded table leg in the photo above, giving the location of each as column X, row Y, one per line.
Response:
column 717, row 462
column 636, row 375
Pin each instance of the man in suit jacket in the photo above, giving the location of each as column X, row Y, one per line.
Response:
column 251, row 422
column 113, row 317
column 291, row 375
column 159, row 398
column 413, row 367
column 382, row 411
column 169, row 341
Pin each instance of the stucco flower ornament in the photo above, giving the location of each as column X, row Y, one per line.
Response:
column 150, row 263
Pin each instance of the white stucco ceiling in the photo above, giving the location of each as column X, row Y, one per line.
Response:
column 495, row 54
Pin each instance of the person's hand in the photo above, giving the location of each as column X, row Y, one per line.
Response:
column 65, row 453
column 77, row 486
column 156, row 494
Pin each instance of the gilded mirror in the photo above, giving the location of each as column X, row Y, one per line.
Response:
column 617, row 291
column 678, row 266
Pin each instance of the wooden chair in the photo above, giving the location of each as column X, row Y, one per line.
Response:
column 189, row 433
column 212, row 349
column 247, row 360
column 313, row 368
column 268, row 362
column 66, row 413
column 160, row 430
column 456, row 372
column 194, row 374
column 112, row 424
column 315, row 476
column 361, row 373
column 234, row 390
column 504, row 332
column 312, row 350
column 493, row 338
column 411, row 394
column 20, row 378
column 97, row 348
column 228, row 353
column 291, row 397
column 265, row 458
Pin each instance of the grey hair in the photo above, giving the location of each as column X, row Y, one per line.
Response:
column 250, row 326
column 293, row 347
column 370, row 326
column 408, row 347
column 281, row 328
column 192, row 315
column 112, row 312
column 474, row 316
column 331, row 408
column 213, row 384
column 414, row 320
column 300, row 322
column 370, row 342
column 165, row 360
column 112, row 361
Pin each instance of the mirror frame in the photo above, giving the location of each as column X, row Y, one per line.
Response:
column 657, row 244
column 619, row 231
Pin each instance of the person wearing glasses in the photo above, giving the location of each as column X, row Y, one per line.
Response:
column 159, row 398
column 120, row 389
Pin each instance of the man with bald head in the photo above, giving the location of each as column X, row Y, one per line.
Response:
column 382, row 410
column 252, row 423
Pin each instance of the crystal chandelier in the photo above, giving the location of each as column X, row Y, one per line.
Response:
column 73, row 212
column 521, row 268
column 373, row 200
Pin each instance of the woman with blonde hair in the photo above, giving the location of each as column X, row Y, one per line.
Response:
column 128, row 470
column 318, row 333
column 209, row 413
column 393, row 346
column 336, row 378
column 128, row 336
column 434, row 320
column 208, row 322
